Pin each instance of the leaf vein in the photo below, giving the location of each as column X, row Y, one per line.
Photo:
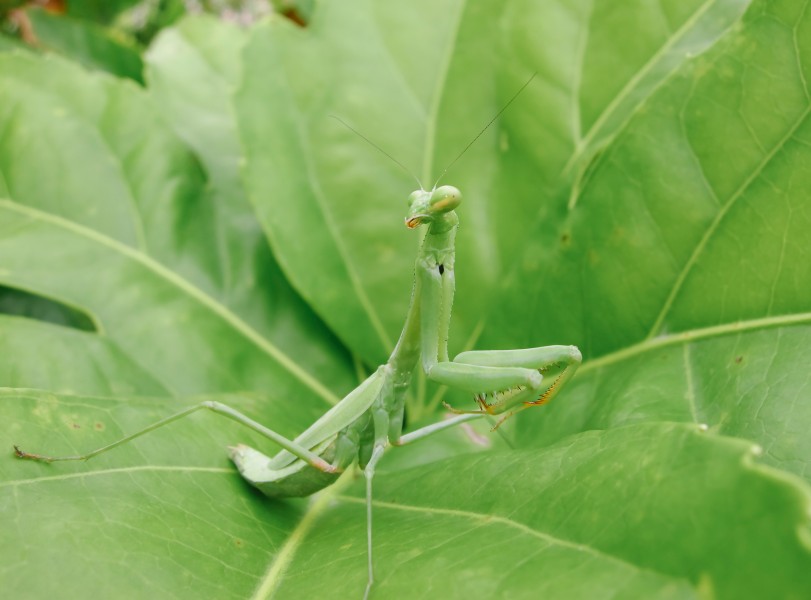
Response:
column 719, row 217
column 184, row 286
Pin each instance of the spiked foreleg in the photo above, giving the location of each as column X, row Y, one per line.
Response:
column 437, row 294
column 557, row 365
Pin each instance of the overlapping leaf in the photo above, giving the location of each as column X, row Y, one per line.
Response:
column 87, row 43
column 162, row 517
column 683, row 258
column 122, row 226
column 423, row 97
column 638, row 200
column 645, row 511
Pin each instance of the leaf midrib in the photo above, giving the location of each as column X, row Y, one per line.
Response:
column 184, row 286
column 489, row 519
column 719, row 217
column 631, row 84
column 693, row 335
column 117, row 471
column 116, row 161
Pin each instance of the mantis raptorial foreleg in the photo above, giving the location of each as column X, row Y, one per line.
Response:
column 557, row 364
column 503, row 381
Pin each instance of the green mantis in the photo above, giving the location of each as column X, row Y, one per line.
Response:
column 370, row 418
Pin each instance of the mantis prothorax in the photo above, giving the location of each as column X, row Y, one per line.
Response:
column 370, row 418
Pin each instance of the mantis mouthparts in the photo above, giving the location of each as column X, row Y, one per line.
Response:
column 415, row 221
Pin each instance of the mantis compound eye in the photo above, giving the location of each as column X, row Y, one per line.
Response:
column 444, row 199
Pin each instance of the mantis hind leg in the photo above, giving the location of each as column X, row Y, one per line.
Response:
column 218, row 408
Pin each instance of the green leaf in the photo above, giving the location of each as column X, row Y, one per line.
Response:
column 103, row 11
column 166, row 516
column 87, row 43
column 51, row 357
column 10, row 44
column 422, row 98
column 644, row 511
column 643, row 198
column 192, row 71
column 636, row 512
column 135, row 246
column 681, row 267
column 750, row 384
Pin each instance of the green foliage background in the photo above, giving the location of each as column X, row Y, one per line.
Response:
column 206, row 230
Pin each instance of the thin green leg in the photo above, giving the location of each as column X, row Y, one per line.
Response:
column 217, row 408
column 428, row 430
column 369, row 473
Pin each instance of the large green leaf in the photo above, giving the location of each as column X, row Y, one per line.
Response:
column 659, row 510
column 124, row 227
column 422, row 97
column 192, row 71
column 662, row 517
column 166, row 517
column 681, row 264
column 60, row 359
column 588, row 219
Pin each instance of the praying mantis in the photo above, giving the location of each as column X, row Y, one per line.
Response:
column 370, row 418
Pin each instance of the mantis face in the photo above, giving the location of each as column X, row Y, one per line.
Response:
column 428, row 207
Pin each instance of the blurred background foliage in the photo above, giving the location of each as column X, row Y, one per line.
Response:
column 110, row 35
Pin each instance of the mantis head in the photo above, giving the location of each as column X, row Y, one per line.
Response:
column 431, row 207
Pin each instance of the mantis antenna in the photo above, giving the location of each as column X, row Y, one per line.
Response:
column 486, row 127
column 378, row 148
column 453, row 162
